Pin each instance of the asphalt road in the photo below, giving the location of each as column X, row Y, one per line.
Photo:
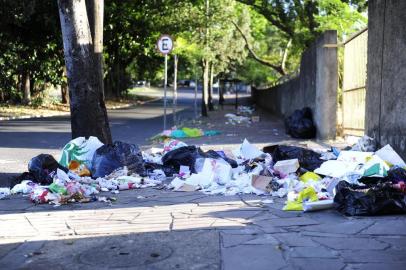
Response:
column 20, row 140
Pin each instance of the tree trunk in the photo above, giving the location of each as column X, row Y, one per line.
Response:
column 205, row 90
column 88, row 111
column 211, row 106
column 221, row 93
column 64, row 89
column 26, row 87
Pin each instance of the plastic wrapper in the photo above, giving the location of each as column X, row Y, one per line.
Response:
column 378, row 199
column 318, row 205
column 108, row 158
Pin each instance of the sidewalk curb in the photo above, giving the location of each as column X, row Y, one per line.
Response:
column 68, row 113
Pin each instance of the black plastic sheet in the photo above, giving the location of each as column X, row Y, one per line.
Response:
column 300, row 124
column 308, row 159
column 108, row 158
column 379, row 199
column 43, row 167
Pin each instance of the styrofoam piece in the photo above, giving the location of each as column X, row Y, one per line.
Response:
column 287, row 166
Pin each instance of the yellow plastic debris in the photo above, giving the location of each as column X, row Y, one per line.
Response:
column 309, row 176
column 308, row 194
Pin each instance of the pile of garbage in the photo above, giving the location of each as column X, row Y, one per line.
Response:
column 185, row 132
column 355, row 181
column 86, row 168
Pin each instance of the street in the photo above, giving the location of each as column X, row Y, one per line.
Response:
column 20, row 140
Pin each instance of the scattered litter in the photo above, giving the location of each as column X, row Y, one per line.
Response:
column 355, row 182
column 184, row 132
column 234, row 119
column 268, row 201
column 4, row 192
column 365, row 144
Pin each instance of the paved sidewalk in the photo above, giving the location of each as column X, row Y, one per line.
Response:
column 160, row 229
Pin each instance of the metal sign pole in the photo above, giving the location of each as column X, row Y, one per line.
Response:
column 175, row 88
column 195, row 104
column 165, row 83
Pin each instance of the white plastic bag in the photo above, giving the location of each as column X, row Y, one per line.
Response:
column 81, row 150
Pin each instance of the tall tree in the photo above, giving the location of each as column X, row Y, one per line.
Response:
column 88, row 111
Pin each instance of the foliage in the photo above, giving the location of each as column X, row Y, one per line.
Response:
column 29, row 42
column 30, row 38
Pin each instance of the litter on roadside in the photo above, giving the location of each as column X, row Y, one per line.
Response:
column 353, row 182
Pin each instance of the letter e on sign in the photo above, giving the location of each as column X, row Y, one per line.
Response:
column 165, row 44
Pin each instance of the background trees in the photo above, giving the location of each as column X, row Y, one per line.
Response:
column 257, row 40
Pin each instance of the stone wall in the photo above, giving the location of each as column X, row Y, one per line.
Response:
column 315, row 87
column 386, row 81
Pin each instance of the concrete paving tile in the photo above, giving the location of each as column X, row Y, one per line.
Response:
column 377, row 266
column 230, row 240
column 296, row 221
column 351, row 243
column 373, row 256
column 347, row 227
column 262, row 257
column 148, row 251
column 396, row 242
column 319, row 264
column 267, row 227
column 263, row 239
column 292, row 239
column 389, row 227
column 311, row 252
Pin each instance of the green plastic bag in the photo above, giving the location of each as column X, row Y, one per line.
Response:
column 81, row 150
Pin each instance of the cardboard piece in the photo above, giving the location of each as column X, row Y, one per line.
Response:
column 389, row 155
column 260, row 182
column 354, row 156
column 187, row 188
column 336, row 168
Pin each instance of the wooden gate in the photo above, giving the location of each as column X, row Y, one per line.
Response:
column 354, row 83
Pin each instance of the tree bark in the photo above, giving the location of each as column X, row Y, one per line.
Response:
column 26, row 87
column 205, row 90
column 64, row 89
column 88, row 111
column 221, row 93
column 211, row 106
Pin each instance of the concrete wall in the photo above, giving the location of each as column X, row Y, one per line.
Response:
column 386, row 84
column 315, row 87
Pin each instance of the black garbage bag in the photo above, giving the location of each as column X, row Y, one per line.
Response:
column 43, row 167
column 168, row 170
column 396, row 174
column 187, row 155
column 108, row 158
column 378, row 199
column 300, row 124
column 216, row 155
column 308, row 159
